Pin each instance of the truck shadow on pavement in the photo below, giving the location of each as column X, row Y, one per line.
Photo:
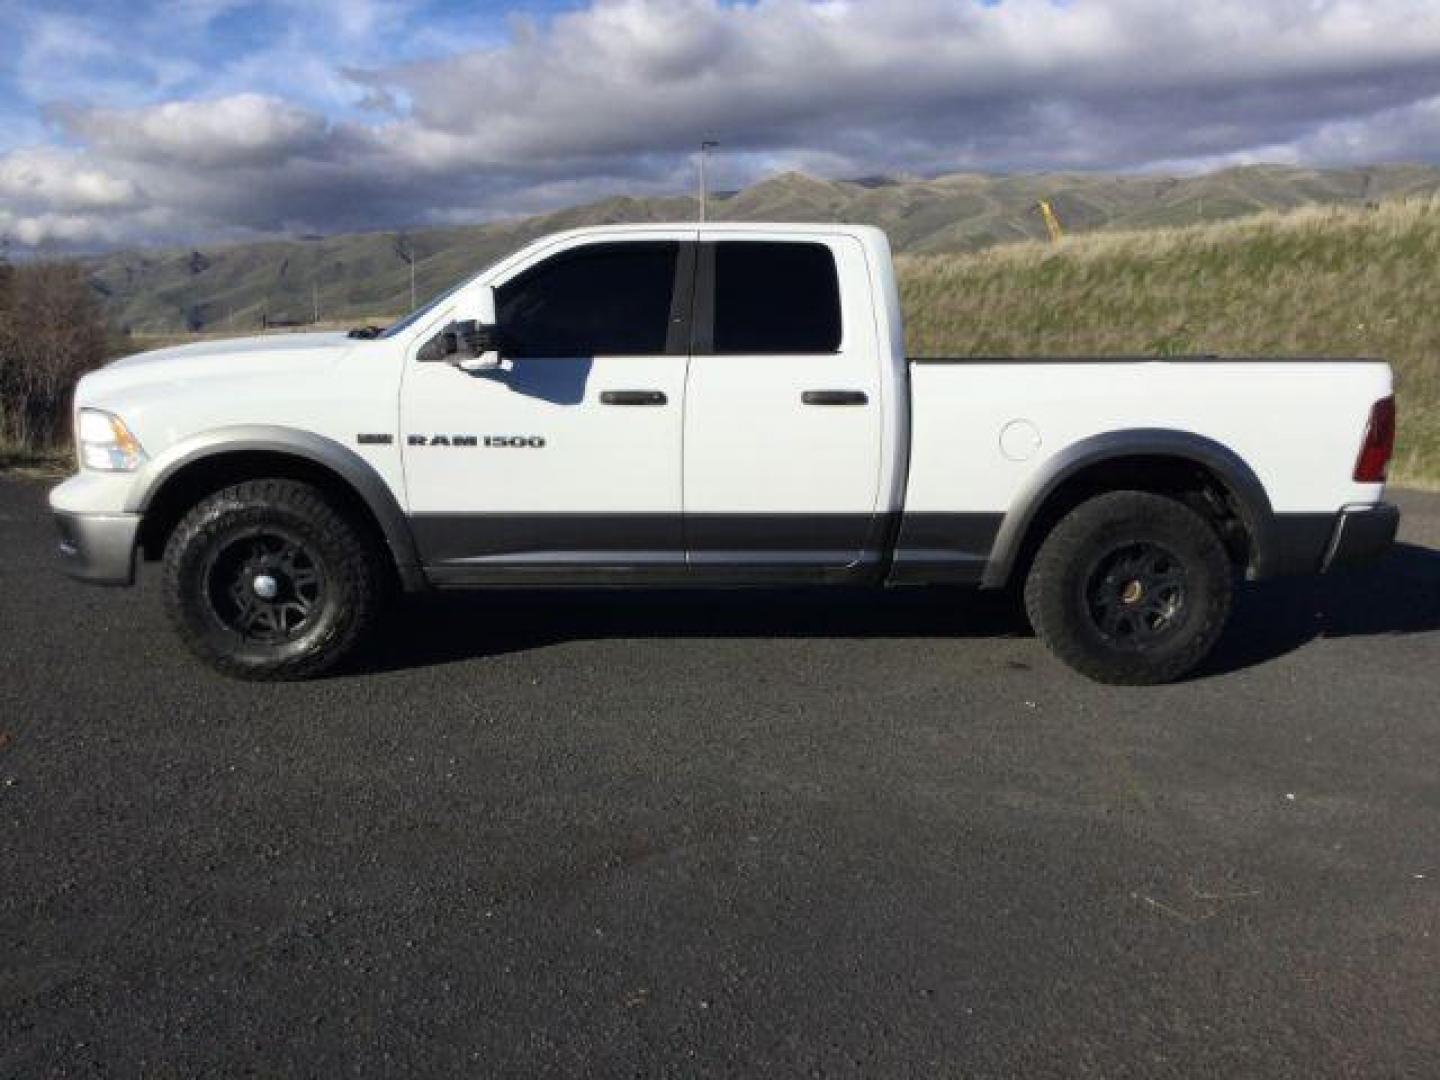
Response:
column 1400, row 595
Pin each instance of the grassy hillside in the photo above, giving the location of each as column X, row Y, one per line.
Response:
column 230, row 289
column 1312, row 282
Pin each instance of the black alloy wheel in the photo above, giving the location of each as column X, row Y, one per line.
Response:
column 1136, row 596
column 266, row 585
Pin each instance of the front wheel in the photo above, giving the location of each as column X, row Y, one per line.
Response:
column 270, row 579
column 1130, row 588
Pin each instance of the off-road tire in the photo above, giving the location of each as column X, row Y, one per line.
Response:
column 333, row 549
column 1072, row 591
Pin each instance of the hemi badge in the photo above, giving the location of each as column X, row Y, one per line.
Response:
column 375, row 440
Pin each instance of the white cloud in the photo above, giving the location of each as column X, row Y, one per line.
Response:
column 246, row 129
column 616, row 95
column 1411, row 133
column 59, row 180
column 642, row 75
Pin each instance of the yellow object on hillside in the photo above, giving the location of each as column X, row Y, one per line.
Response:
column 1052, row 220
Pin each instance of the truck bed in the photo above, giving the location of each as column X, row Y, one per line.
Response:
column 1196, row 358
column 982, row 427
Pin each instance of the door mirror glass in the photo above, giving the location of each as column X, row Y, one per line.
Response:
column 469, row 345
column 477, row 345
column 442, row 347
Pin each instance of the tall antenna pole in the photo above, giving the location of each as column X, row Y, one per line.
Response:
column 705, row 148
column 405, row 249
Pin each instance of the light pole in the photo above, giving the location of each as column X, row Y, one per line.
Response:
column 405, row 249
column 705, row 147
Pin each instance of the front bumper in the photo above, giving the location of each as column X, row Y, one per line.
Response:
column 1361, row 535
column 98, row 548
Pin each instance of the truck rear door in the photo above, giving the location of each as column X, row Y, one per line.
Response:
column 783, row 422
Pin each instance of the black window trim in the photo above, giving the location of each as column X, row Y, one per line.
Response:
column 703, row 323
column 682, row 302
column 682, row 293
column 702, row 341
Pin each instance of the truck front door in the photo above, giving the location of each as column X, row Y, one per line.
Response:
column 566, row 462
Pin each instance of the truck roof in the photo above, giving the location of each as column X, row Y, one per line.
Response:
column 874, row 240
column 727, row 226
column 817, row 227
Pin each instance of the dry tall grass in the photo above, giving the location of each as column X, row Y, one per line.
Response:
column 1317, row 282
column 51, row 332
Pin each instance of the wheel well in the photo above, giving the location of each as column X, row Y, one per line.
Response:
column 203, row 478
column 1182, row 479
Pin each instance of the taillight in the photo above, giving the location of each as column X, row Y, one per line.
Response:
column 1379, row 443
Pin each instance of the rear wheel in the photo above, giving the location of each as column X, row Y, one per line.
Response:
column 269, row 579
column 1130, row 588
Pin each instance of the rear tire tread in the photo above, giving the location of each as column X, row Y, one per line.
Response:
column 1053, row 591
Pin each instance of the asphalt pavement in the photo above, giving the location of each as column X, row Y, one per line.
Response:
column 735, row 834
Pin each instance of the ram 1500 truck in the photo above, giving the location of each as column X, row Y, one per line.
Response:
column 710, row 405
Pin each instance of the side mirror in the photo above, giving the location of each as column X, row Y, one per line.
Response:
column 442, row 347
column 468, row 345
column 478, row 346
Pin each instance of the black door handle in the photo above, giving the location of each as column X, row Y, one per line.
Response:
column 834, row 397
column 632, row 397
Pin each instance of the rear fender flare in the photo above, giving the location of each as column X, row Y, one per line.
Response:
column 1251, row 501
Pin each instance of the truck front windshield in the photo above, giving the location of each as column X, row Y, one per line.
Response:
column 423, row 310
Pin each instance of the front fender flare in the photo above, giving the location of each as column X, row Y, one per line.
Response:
column 327, row 453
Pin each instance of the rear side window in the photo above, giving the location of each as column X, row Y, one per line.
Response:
column 599, row 300
column 776, row 298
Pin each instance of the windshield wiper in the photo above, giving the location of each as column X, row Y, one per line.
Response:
column 365, row 333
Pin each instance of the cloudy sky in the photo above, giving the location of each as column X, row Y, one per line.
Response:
column 186, row 121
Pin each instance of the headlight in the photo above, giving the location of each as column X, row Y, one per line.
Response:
column 106, row 443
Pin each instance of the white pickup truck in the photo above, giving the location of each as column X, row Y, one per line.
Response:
column 710, row 405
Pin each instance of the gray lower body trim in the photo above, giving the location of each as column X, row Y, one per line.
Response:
column 98, row 548
column 1293, row 544
column 562, row 548
column 738, row 549
column 618, row 574
column 950, row 548
column 457, row 540
column 1297, row 544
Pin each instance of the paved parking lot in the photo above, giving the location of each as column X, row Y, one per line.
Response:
column 734, row 834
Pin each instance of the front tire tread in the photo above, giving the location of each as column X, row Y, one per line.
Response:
column 352, row 561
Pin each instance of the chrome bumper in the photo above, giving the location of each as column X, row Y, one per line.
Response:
column 98, row 548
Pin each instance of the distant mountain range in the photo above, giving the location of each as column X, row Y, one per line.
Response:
column 240, row 287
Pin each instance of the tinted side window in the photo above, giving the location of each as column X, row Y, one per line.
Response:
column 600, row 300
column 776, row 298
